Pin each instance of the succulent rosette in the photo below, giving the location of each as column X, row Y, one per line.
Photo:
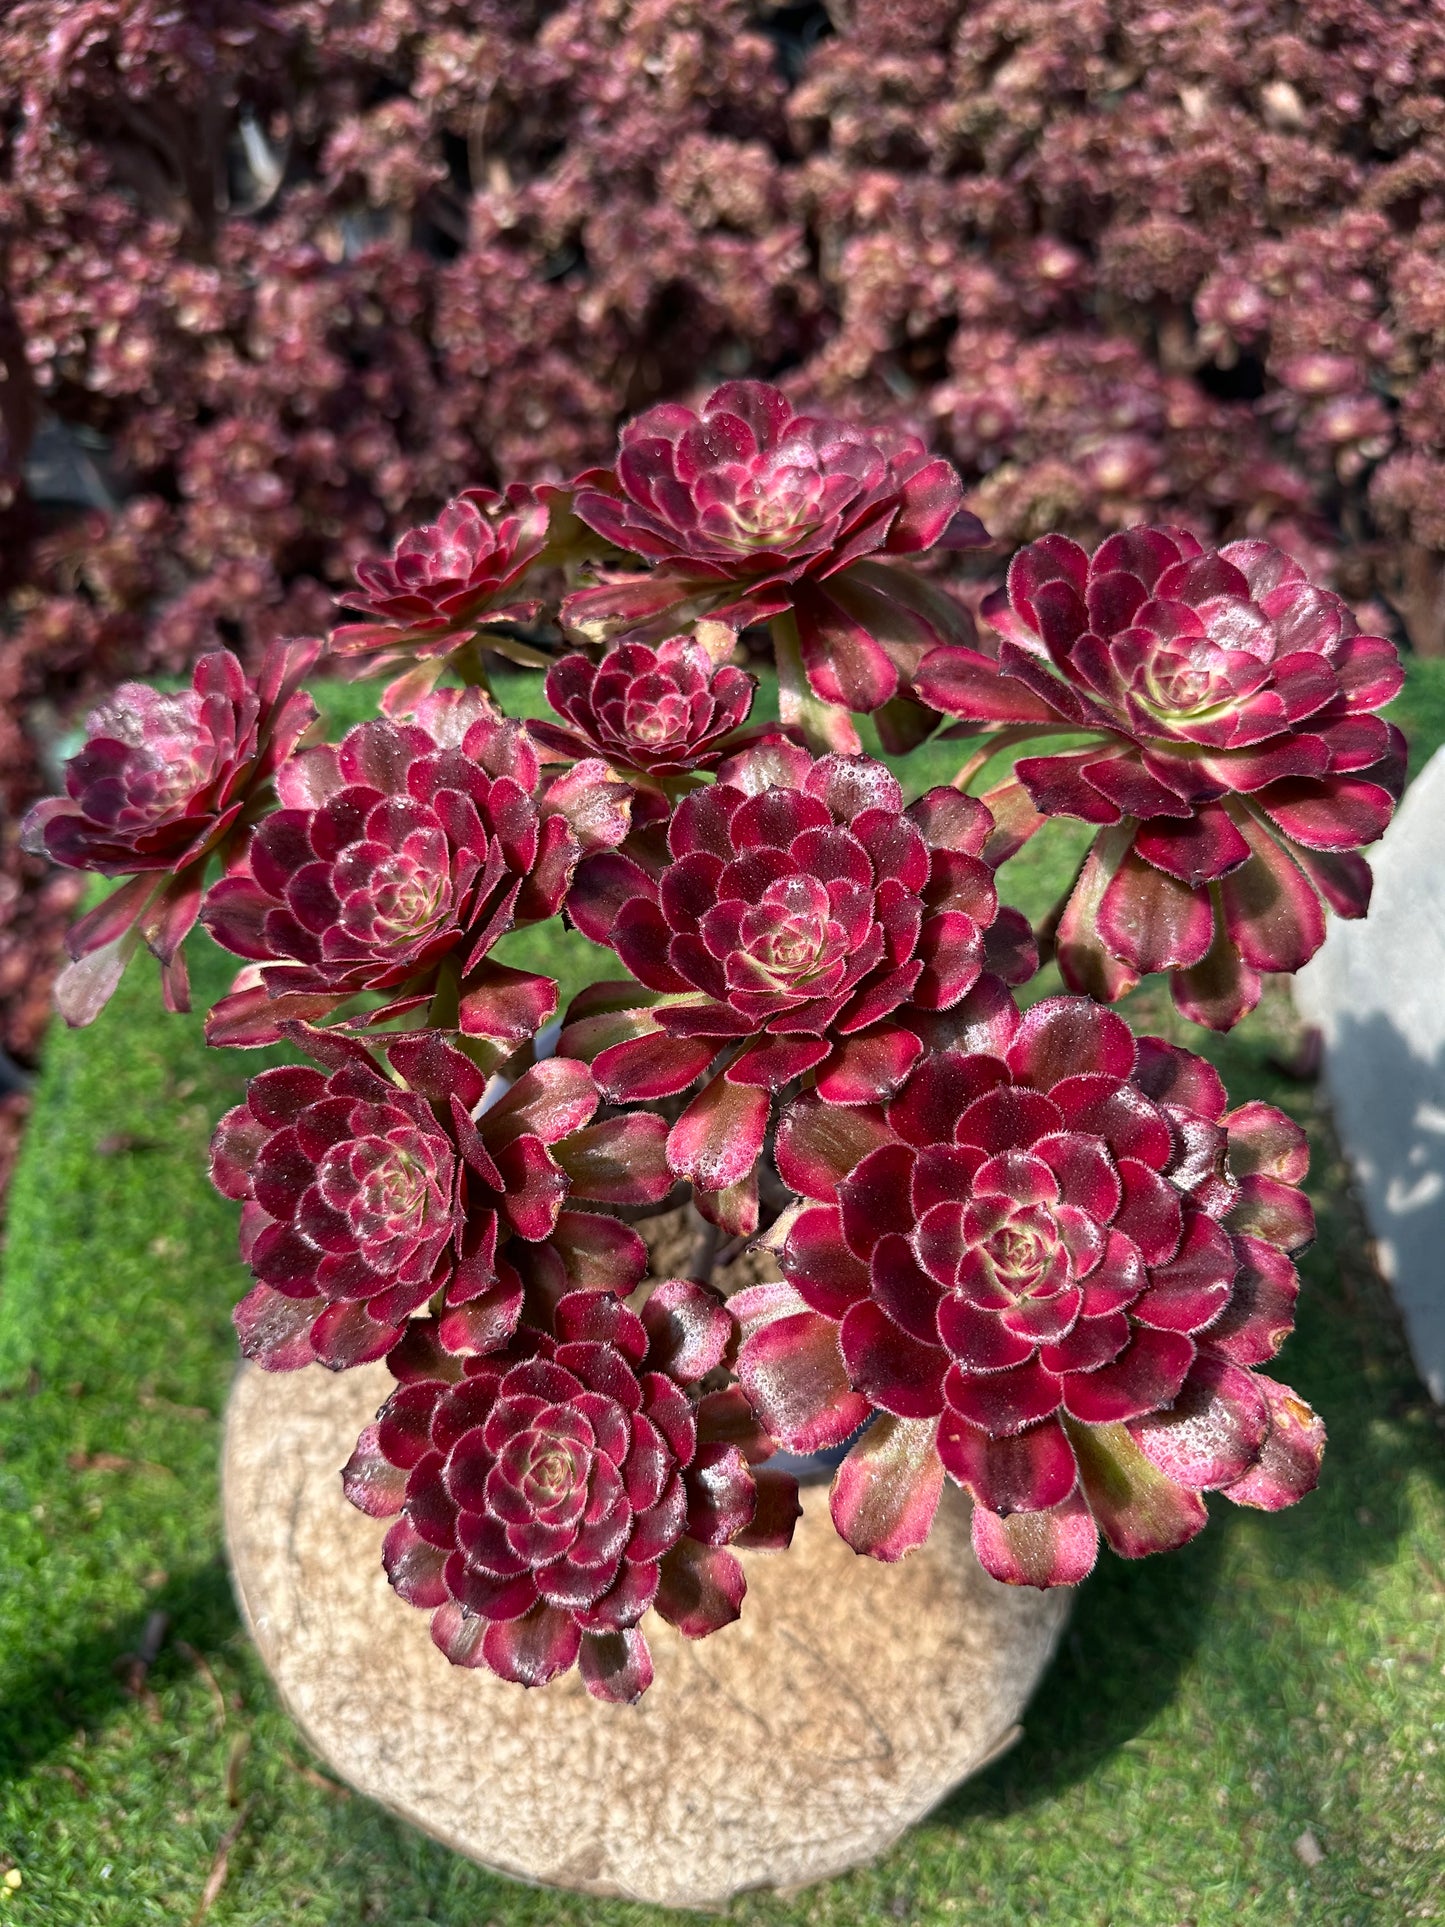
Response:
column 395, row 862
column 547, row 1493
column 800, row 921
column 1049, row 1269
column 370, row 1191
column 163, row 783
column 453, row 578
column 745, row 510
column 1236, row 765
column 649, row 712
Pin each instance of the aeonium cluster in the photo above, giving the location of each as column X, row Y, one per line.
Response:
column 1005, row 1242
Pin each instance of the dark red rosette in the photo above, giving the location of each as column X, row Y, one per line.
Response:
column 453, row 578
column 1237, row 766
column 1049, row 1272
column 656, row 712
column 367, row 1196
column 746, row 509
column 801, row 921
column 552, row 1490
column 163, row 783
column 395, row 863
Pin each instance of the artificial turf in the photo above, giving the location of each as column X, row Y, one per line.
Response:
column 1280, row 1678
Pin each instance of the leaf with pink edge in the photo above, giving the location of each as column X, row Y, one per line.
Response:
column 85, row 987
column 727, row 1417
column 793, row 1372
column 414, row 1567
column 1015, row 821
column 1064, row 1036
column 1271, row 912
column 733, row 1208
column 640, row 1069
column 1138, row 1508
column 533, row 1649
column 819, row 1144
column 1042, row 1549
column 869, row 1067
column 1173, row 1076
column 717, row 1139
column 1214, row 1430
column 550, row 1100
column 598, row 1253
column 615, row 1666
column 1278, row 1213
column 950, row 820
column 1263, row 1140
column 966, row 683
column 1288, row 1465
column 688, row 1329
column 1084, row 963
column 886, row 1492
column 1146, row 1375
column 1003, row 1402
column 622, row 1160
column 1031, row 1472
column 505, row 1004
column 458, row 1634
column 1260, row 1313
column 274, row 1330
column 1219, row 991
column 1342, row 877
column 892, row 1369
column 777, row 1511
column 721, row 1496
column 1205, row 847
column 604, row 883
column 1338, row 813
column 701, row 1588
column 369, row 1479
column 1151, row 921
column 485, row 1322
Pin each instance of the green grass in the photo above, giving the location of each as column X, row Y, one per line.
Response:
column 1203, row 1711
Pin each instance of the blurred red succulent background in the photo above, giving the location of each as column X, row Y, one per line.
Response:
column 278, row 280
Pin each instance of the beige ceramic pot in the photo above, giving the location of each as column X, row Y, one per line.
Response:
column 849, row 1699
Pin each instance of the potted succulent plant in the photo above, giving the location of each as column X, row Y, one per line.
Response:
column 1015, row 1249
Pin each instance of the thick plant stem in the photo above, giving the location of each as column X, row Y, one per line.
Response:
column 470, row 669
column 824, row 725
column 444, row 1012
column 704, row 1249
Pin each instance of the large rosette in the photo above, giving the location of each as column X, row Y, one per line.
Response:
column 799, row 920
column 367, row 1196
column 395, row 863
column 1050, row 1272
column 1236, row 765
column 164, row 783
column 746, row 510
column 553, row 1490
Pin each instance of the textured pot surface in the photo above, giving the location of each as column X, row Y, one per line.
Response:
column 795, row 1743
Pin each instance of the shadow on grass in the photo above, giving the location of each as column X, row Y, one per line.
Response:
column 86, row 1685
column 1132, row 1635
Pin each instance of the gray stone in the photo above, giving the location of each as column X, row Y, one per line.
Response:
column 1377, row 992
column 799, row 1741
